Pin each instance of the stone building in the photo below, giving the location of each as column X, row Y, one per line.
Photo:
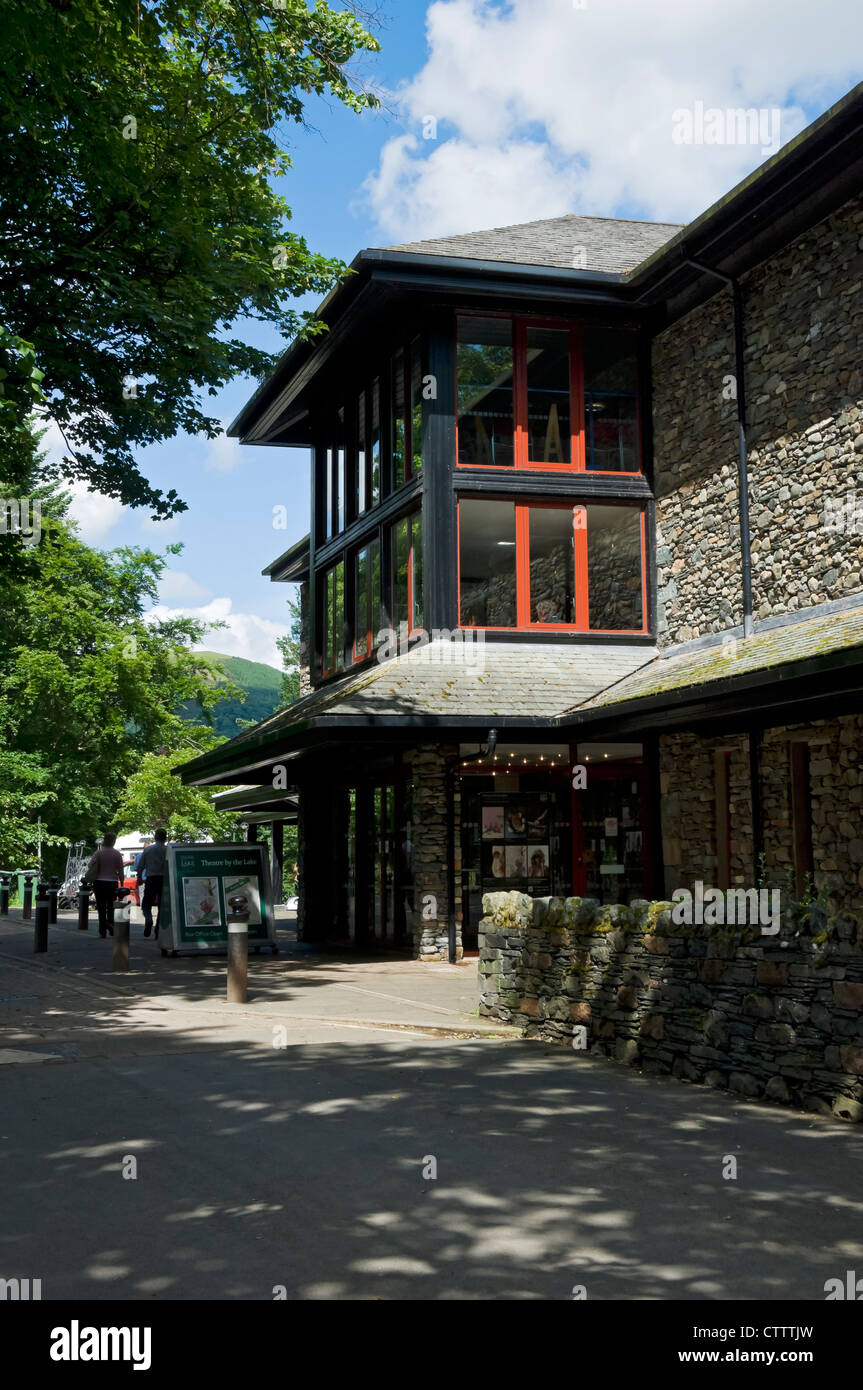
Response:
column 582, row 586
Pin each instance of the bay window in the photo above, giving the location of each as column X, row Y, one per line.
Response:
column 551, row 565
column 546, row 394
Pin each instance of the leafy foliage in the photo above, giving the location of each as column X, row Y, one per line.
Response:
column 154, row 797
column 137, row 220
column 88, row 684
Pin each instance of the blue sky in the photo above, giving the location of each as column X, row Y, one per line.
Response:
column 537, row 107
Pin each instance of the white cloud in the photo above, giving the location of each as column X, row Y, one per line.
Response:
column 223, row 455
column 177, row 585
column 544, row 108
column 245, row 634
column 94, row 513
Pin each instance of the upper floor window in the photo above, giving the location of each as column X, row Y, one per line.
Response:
column 551, row 565
column 539, row 394
column 406, row 413
column 332, row 601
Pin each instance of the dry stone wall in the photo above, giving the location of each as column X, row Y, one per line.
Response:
column 778, row 1018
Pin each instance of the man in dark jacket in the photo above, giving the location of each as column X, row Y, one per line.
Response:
column 151, row 868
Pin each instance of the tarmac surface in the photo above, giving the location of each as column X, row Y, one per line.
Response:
column 356, row 1132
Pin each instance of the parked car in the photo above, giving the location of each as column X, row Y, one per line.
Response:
column 293, row 904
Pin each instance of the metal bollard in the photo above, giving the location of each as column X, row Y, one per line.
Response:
column 43, row 914
column 238, row 959
column 27, row 909
column 120, row 945
column 4, row 894
column 83, row 906
column 53, row 893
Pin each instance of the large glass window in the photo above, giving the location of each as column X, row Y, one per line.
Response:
column 406, row 604
column 373, row 407
column 487, row 568
column 339, row 479
column 524, row 564
column 362, row 455
column 416, row 406
column 367, row 601
column 398, row 427
column 549, row 427
column 333, row 606
column 485, row 418
column 615, row 580
column 552, row 565
column 538, row 395
column 610, row 401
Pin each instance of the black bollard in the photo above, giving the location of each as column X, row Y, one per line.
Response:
column 53, row 893
column 83, row 906
column 43, row 913
column 27, row 909
column 4, row 894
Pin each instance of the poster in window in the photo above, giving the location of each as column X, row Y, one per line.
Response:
column 492, row 822
column 516, row 861
column 537, row 824
column 498, row 862
column 538, row 866
column 516, row 823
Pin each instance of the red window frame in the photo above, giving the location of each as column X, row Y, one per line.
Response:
column 578, row 429
column 580, row 580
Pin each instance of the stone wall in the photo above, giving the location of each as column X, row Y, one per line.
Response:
column 771, row 1017
column 430, row 924
column 688, row 806
column 803, row 318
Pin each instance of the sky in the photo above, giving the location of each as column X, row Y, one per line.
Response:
column 493, row 113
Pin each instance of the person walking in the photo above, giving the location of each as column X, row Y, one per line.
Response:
column 105, row 872
column 150, row 867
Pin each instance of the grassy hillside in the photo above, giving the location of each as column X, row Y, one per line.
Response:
column 261, row 682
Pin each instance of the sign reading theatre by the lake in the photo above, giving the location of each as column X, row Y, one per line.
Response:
column 207, row 883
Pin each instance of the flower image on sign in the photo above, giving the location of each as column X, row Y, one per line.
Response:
column 201, row 902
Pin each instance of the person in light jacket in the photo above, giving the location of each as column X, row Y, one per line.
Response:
column 105, row 872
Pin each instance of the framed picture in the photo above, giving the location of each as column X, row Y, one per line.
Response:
column 516, row 861
column 498, row 861
column 538, row 864
column 516, row 823
column 492, row 822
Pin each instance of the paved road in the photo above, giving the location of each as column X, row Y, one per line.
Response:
column 302, row 1165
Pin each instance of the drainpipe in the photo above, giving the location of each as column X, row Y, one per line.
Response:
column 742, row 469
column 491, row 744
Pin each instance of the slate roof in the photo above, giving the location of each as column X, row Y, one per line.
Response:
column 613, row 245
column 795, row 642
column 493, row 679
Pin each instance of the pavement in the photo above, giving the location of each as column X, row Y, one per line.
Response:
column 328, row 1141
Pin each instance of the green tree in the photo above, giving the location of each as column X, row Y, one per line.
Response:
column 89, row 684
column 290, row 649
column 154, row 796
column 137, row 221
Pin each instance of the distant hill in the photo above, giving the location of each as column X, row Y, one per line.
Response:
column 261, row 683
